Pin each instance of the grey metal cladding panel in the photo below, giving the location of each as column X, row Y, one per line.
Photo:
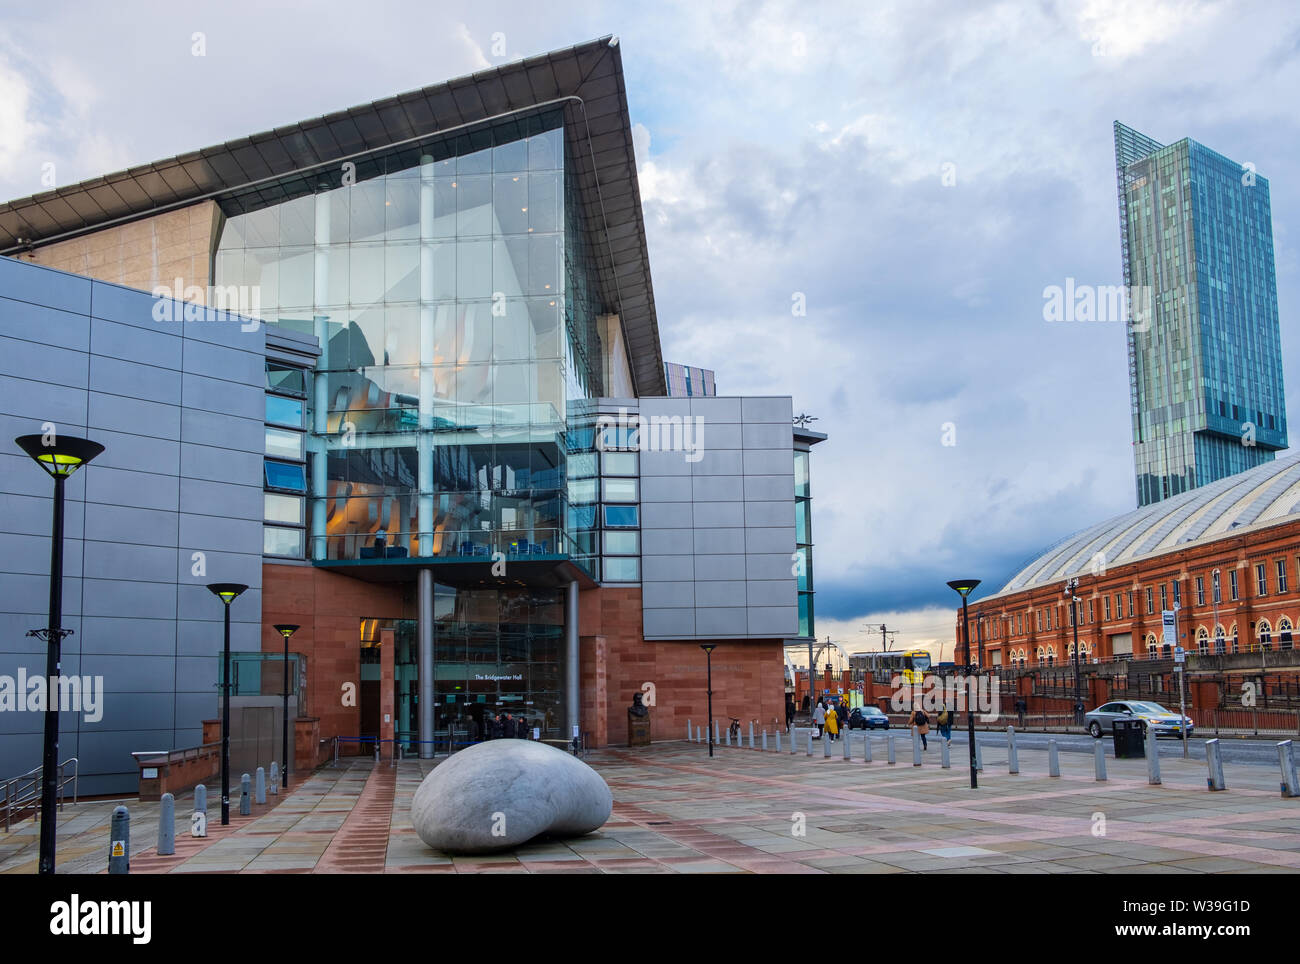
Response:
column 30, row 516
column 667, row 568
column 763, row 515
column 666, row 488
column 43, row 402
column 721, row 567
column 215, row 395
column 772, row 592
column 195, row 602
column 718, row 541
column 665, row 542
column 196, row 674
column 212, row 533
column 665, row 463
column 773, row 621
column 116, row 376
column 191, row 709
column 126, row 597
column 145, row 527
column 769, row 436
column 770, row 409
column 117, row 560
column 717, row 488
column 45, row 363
column 220, row 465
column 721, row 462
column 667, row 622
column 770, row 540
column 719, row 515
column 222, row 499
column 105, row 756
column 30, row 554
column 720, row 593
column 231, row 364
column 127, row 306
column 132, row 711
column 774, row 565
column 719, row 436
column 145, row 346
column 116, row 413
column 128, row 635
column 770, row 488
column 223, row 431
column 769, row 461
column 23, row 281
column 716, row 409
column 729, row 621
column 39, row 323
column 123, row 450
column 142, row 490
column 132, row 673
column 193, row 564
column 666, row 515
column 206, row 637
column 667, row 595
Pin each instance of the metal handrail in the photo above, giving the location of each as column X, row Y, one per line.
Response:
column 23, row 792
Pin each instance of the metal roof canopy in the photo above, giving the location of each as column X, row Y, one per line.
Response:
column 586, row 79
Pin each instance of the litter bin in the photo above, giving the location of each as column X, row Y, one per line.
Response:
column 1130, row 740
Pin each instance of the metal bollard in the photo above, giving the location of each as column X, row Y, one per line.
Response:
column 866, row 747
column 1286, row 762
column 765, row 741
column 810, row 742
column 916, row 746
column 201, row 798
column 1099, row 759
column 979, row 756
column 199, row 818
column 1053, row 760
column 1013, row 760
column 1214, row 763
column 751, row 734
column 261, row 785
column 945, row 759
column 275, row 778
column 848, row 739
column 689, row 731
column 376, row 751
column 119, row 842
column 826, row 746
column 717, row 734
column 167, row 825
column 1153, row 758
column 728, row 743
column 245, row 795
column 893, row 757
column 778, row 741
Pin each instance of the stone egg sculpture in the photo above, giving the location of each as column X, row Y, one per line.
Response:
column 502, row 793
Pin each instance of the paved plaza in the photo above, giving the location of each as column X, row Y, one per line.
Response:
column 677, row 811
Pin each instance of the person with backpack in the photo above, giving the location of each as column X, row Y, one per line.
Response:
column 945, row 724
column 921, row 721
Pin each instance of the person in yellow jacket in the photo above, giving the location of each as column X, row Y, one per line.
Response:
column 832, row 722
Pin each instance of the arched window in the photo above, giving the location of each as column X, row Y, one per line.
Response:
column 1265, row 635
column 1202, row 640
column 1284, row 633
column 1051, row 655
column 1152, row 647
column 1236, row 644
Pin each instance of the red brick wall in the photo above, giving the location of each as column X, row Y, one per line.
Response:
column 748, row 675
column 328, row 609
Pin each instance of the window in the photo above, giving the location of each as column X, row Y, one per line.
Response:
column 1089, row 610
column 284, row 411
column 622, row 543
column 1039, row 620
column 279, row 541
column 618, row 463
column 282, row 508
column 619, row 490
column 286, row 378
column 622, row 569
column 1265, row 635
column 1151, row 608
column 582, row 490
column 1130, row 604
column 1164, row 597
column 1106, row 609
column 1281, row 575
column 1218, row 597
column 1178, row 592
column 621, row 517
column 1232, row 584
column 1284, row 633
column 284, row 475
column 284, row 444
column 1261, row 580
column 1200, row 590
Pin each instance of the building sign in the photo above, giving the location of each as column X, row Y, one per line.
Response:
column 1167, row 617
column 498, row 677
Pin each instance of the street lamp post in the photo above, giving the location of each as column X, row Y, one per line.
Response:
column 286, row 630
column 965, row 587
column 1070, row 586
column 60, row 457
column 708, row 652
column 227, row 592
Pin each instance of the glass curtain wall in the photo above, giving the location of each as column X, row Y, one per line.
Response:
column 450, row 288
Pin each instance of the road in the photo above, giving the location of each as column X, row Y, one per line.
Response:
column 1260, row 752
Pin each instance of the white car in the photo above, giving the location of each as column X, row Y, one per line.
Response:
column 1153, row 716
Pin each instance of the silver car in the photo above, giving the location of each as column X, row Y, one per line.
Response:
column 1153, row 715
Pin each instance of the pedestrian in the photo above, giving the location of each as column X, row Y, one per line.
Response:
column 919, row 720
column 508, row 727
column 789, row 713
column 832, row 723
column 819, row 718
column 945, row 723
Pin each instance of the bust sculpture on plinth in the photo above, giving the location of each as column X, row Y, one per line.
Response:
column 638, row 722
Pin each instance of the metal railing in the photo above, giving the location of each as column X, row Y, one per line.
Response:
column 159, row 757
column 22, row 794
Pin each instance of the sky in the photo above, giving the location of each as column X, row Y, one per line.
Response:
column 911, row 175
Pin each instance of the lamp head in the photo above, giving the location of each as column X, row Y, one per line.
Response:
column 963, row 586
column 707, row 647
column 286, row 629
column 59, row 455
column 227, row 592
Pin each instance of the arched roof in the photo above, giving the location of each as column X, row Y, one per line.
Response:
column 1263, row 496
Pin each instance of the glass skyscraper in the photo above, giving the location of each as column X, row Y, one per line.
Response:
column 1205, row 358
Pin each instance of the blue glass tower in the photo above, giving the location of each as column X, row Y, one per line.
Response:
column 1205, row 354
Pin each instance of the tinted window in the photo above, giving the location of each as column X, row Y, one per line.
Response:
column 282, row 475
